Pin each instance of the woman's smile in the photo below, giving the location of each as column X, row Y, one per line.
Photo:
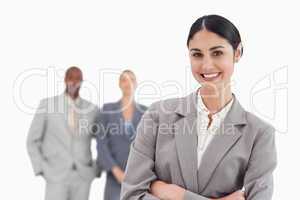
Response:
column 212, row 76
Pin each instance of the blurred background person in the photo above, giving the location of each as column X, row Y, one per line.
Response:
column 118, row 122
column 59, row 147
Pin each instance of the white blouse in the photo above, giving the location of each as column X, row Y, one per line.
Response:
column 205, row 134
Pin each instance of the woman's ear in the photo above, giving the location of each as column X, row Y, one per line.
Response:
column 238, row 53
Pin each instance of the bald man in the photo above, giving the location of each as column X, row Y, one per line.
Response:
column 59, row 142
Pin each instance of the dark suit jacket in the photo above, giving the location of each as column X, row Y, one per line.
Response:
column 113, row 143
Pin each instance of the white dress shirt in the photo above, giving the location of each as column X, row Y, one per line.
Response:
column 73, row 121
column 205, row 135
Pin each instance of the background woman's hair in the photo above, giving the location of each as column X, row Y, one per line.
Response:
column 127, row 71
column 218, row 25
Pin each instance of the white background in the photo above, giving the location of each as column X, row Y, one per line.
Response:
column 40, row 39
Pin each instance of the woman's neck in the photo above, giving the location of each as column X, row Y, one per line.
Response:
column 127, row 100
column 215, row 100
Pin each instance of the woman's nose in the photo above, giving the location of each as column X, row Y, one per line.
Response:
column 207, row 63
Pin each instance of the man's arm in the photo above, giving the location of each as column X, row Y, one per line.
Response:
column 35, row 137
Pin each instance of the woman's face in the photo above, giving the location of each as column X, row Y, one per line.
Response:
column 127, row 83
column 212, row 59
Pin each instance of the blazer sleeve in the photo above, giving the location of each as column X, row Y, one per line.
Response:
column 139, row 171
column 104, row 157
column 35, row 137
column 258, row 180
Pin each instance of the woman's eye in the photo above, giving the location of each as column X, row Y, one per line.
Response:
column 217, row 53
column 197, row 55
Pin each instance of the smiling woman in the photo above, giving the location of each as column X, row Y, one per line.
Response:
column 212, row 61
column 215, row 45
column 205, row 145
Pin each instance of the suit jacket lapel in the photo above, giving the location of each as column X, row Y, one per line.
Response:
column 66, row 134
column 120, row 119
column 137, row 114
column 186, row 141
column 134, row 120
column 59, row 108
column 226, row 136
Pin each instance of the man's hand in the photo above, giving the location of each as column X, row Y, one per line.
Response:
column 167, row 191
column 118, row 173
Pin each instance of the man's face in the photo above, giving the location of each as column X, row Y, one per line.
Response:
column 73, row 81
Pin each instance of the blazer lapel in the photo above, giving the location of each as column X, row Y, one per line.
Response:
column 118, row 113
column 66, row 116
column 186, row 141
column 226, row 136
column 136, row 115
column 59, row 108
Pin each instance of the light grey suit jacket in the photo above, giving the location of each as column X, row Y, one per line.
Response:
column 53, row 148
column 241, row 154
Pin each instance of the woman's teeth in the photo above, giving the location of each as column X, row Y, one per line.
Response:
column 210, row 75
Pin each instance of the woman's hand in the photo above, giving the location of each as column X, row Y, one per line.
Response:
column 167, row 191
column 118, row 174
column 238, row 195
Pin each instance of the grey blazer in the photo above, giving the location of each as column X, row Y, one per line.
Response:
column 53, row 148
column 241, row 154
column 113, row 143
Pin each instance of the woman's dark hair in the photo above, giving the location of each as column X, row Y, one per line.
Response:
column 218, row 25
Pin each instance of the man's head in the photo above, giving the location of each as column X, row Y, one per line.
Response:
column 73, row 79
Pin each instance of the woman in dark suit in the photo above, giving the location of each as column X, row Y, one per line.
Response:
column 206, row 145
column 118, row 122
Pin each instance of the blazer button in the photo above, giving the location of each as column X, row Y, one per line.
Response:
column 74, row 166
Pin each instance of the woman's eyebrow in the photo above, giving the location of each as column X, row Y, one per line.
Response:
column 195, row 49
column 211, row 49
column 216, row 47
